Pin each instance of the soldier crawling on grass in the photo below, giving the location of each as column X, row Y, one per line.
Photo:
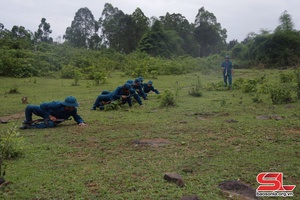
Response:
column 137, row 86
column 103, row 99
column 124, row 93
column 53, row 113
column 149, row 87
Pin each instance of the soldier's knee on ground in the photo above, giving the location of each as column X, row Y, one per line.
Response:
column 50, row 124
column 46, row 124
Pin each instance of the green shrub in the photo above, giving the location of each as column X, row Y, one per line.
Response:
column 223, row 102
column 286, row 77
column 262, row 79
column 114, row 105
column 195, row 92
column 264, row 88
column 99, row 76
column 69, row 71
column 249, row 86
column 11, row 144
column 14, row 90
column 215, row 86
column 257, row 99
column 77, row 75
column 171, row 67
column 196, row 89
column 281, row 94
column 140, row 71
column 154, row 74
column 297, row 76
column 167, row 99
column 238, row 83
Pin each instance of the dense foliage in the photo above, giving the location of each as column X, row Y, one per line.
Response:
column 279, row 49
column 138, row 45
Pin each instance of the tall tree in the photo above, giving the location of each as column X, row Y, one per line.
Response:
column 183, row 28
column 250, row 36
column 158, row 42
column 20, row 38
column 209, row 33
column 131, row 29
column 2, row 31
column 141, row 26
column 1, row 26
column 43, row 32
column 120, row 31
column 125, row 34
column 94, row 42
column 109, row 22
column 285, row 22
column 231, row 44
column 83, row 30
column 278, row 49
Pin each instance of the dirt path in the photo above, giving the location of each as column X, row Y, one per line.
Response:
column 5, row 119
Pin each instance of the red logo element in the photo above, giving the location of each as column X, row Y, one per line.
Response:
column 272, row 181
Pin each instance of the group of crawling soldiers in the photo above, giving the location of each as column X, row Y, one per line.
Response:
column 131, row 89
column 53, row 113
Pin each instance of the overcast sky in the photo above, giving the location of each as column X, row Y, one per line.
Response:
column 238, row 17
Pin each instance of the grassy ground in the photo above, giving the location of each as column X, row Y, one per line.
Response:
column 211, row 139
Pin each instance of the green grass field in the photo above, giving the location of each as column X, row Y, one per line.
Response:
column 210, row 139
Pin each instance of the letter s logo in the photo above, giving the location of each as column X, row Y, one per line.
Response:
column 272, row 181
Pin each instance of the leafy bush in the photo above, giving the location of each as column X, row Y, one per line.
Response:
column 238, row 83
column 264, row 88
column 99, row 76
column 297, row 76
column 215, row 86
column 11, row 144
column 154, row 74
column 170, row 67
column 14, row 90
column 208, row 64
column 77, row 75
column 281, row 94
column 17, row 63
column 257, row 99
column 196, row 89
column 195, row 92
column 68, row 71
column 167, row 99
column 262, row 79
column 286, row 77
column 249, row 86
column 114, row 105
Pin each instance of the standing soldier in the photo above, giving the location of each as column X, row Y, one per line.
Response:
column 227, row 71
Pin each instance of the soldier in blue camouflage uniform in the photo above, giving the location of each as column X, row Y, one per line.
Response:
column 52, row 113
column 227, row 71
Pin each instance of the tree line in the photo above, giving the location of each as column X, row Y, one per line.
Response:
column 166, row 38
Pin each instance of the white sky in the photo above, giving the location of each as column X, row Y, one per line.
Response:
column 239, row 17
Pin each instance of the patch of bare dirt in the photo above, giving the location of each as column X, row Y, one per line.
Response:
column 293, row 131
column 93, row 187
column 238, row 189
column 151, row 142
column 90, row 143
column 5, row 119
column 267, row 117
